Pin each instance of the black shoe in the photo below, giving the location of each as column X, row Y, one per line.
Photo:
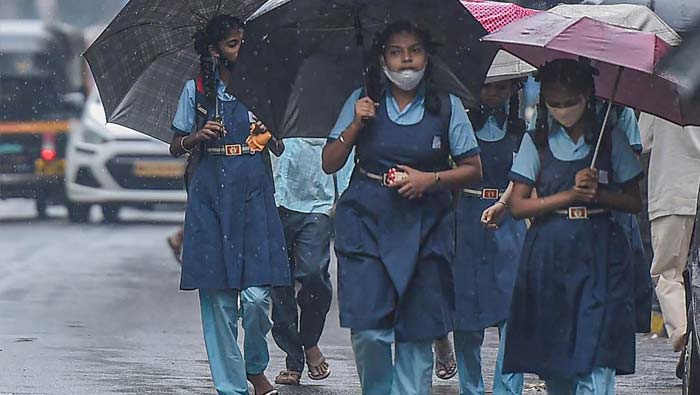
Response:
column 680, row 367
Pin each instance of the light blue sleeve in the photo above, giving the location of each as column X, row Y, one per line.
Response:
column 526, row 164
column 184, row 119
column 344, row 174
column 347, row 114
column 627, row 122
column 461, row 135
column 626, row 166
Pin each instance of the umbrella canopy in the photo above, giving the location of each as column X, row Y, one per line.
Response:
column 625, row 58
column 682, row 66
column 303, row 58
column 145, row 55
column 494, row 15
column 628, row 16
column 679, row 14
column 682, row 15
column 506, row 66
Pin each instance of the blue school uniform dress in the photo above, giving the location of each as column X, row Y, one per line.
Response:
column 395, row 254
column 233, row 234
column 234, row 248
column 644, row 287
column 486, row 261
column 573, row 303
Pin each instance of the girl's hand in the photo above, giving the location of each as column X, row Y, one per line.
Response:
column 414, row 185
column 210, row 131
column 364, row 108
column 257, row 128
column 586, row 178
column 492, row 216
column 586, row 187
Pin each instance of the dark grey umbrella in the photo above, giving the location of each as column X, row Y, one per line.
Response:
column 145, row 56
column 682, row 65
column 302, row 58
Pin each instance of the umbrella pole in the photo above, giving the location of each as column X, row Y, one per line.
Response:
column 600, row 135
column 605, row 120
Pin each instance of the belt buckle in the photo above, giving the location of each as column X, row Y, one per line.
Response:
column 233, row 149
column 489, row 194
column 579, row 212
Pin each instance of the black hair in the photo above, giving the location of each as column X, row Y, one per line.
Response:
column 515, row 125
column 217, row 29
column 375, row 79
column 576, row 75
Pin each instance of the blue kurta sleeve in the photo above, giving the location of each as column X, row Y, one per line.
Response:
column 626, row 166
column 526, row 164
column 628, row 124
column 461, row 135
column 185, row 115
column 347, row 114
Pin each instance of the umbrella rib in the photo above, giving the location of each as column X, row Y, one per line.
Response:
column 161, row 55
column 202, row 18
column 125, row 28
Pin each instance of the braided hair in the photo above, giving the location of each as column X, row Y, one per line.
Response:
column 578, row 76
column 376, row 82
column 514, row 124
column 217, row 29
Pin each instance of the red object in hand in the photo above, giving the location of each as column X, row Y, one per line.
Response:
column 394, row 175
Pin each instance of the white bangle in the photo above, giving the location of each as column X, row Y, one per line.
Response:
column 342, row 140
column 503, row 203
column 182, row 145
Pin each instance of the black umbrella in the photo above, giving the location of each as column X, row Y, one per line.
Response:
column 302, row 58
column 143, row 59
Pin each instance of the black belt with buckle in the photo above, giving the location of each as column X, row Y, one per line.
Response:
column 581, row 212
column 230, row 150
column 485, row 194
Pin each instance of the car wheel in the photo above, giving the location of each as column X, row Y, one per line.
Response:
column 110, row 212
column 78, row 212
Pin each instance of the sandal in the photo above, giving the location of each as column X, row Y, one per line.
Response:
column 270, row 392
column 288, row 377
column 445, row 363
column 320, row 371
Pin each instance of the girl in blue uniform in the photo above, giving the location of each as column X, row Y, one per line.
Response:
column 572, row 315
column 395, row 229
column 488, row 240
column 234, row 248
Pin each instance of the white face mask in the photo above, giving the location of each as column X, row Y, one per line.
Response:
column 406, row 80
column 568, row 116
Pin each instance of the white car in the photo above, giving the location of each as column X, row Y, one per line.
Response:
column 114, row 166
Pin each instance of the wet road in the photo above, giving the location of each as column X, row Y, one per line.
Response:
column 95, row 309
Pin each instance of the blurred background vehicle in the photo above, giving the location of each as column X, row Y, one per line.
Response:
column 114, row 166
column 41, row 92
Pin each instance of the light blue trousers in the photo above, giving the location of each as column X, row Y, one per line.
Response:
column 409, row 373
column 468, row 354
column 601, row 381
column 220, row 313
